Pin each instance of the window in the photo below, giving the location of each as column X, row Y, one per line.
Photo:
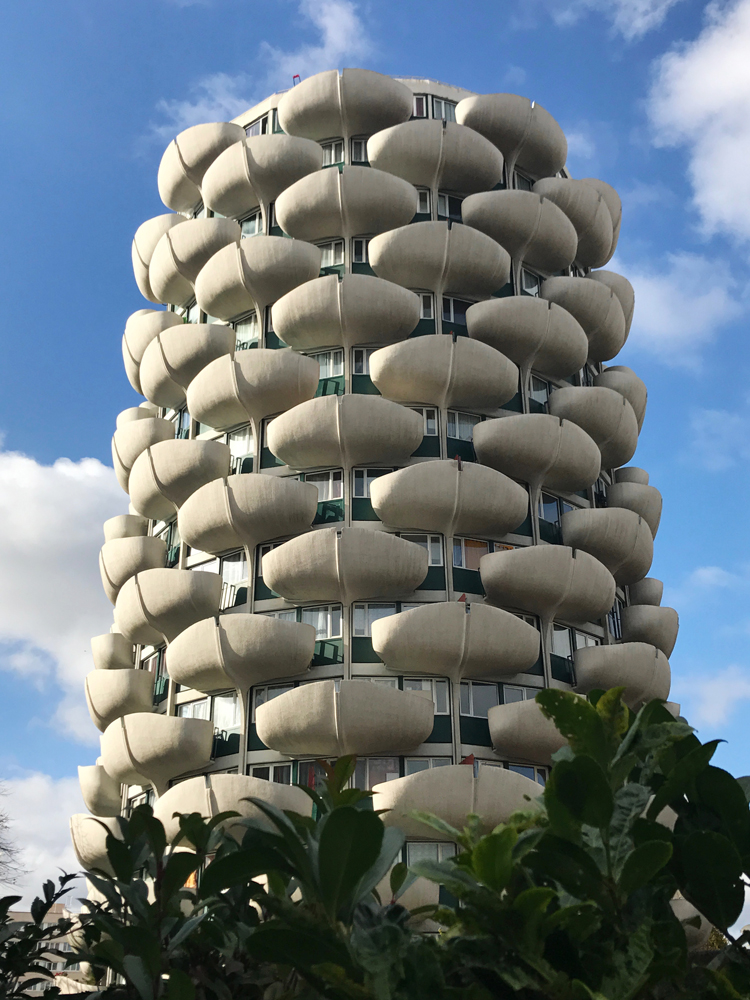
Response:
column 428, row 852
column 331, row 254
column 454, row 310
column 333, row 152
column 360, row 251
column 432, row 544
column 430, row 419
column 170, row 535
column 331, row 363
column 195, row 709
column 477, row 699
column 431, row 687
column 363, row 615
column 247, row 331
column 233, row 575
column 614, row 619
column 267, row 693
column 443, row 109
column 181, row 421
column 423, row 201
column 514, row 692
column 449, row 207
column 364, row 478
column 419, row 107
column 426, row 310
column 199, row 212
column 259, row 127
column 468, row 551
column 263, row 550
column 552, row 508
column 538, row 393
column 413, row 765
column 192, row 314
column 374, row 771
column 461, row 425
column 523, row 183
column 330, row 485
column 600, row 493
column 565, row 641
column 280, row 774
column 241, row 447
column 538, row 774
column 310, row 773
column 326, row 620
column 226, row 712
column 252, row 225
column 282, row 616
column 361, row 360
column 359, row 151
column 530, row 283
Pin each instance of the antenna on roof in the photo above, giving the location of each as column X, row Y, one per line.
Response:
column 295, row 79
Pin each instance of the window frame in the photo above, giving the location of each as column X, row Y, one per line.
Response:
column 288, row 686
column 331, row 145
column 333, row 244
column 427, row 195
column 451, row 301
column 433, row 682
column 425, row 112
column 263, row 126
column 456, row 415
column 271, row 766
column 332, row 610
column 467, row 687
column 332, row 353
column 434, row 542
column 364, row 607
column 459, row 541
column 450, row 202
column 444, row 104
column 432, row 762
column 367, row 480
column 334, row 476
column 422, row 411
column 362, row 140
column 361, row 255
column 366, row 353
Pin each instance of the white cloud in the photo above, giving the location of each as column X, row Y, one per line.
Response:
column 631, row 18
column 700, row 100
column 219, row 97
column 51, row 598
column 720, row 438
column 710, row 700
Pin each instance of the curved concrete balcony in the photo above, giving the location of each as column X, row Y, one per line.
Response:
column 647, row 591
column 444, row 372
column 256, row 170
column 133, row 438
column 112, row 651
column 344, row 564
column 520, row 731
column 643, row 671
column 437, row 154
column 239, row 651
column 531, row 227
column 110, row 694
column 552, row 581
column 125, row 526
column 620, row 539
column 622, row 289
column 160, row 603
column 452, row 792
column 456, row 640
column 173, row 359
column 254, row 274
column 187, row 158
column 132, row 413
column 449, row 498
column 597, row 309
column 89, row 837
column 654, row 625
column 361, row 718
column 644, row 500
column 345, row 202
column 211, row 794
column 588, row 212
column 182, row 252
column 540, row 450
column 358, row 309
column 345, row 430
column 613, row 203
column 605, row 415
column 246, row 510
column 532, row 332
column 250, row 386
column 632, row 474
column 124, row 557
column 102, row 795
column 158, row 747
column 164, row 476
column 526, row 134
column 140, row 330
column 358, row 102
column 455, row 261
column 147, row 235
column 625, row 381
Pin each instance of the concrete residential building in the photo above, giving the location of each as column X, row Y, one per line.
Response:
column 379, row 484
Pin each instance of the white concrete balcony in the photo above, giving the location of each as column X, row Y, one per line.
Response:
column 182, row 252
column 643, row 671
column 140, row 329
column 187, row 158
column 614, row 204
column 110, row 694
column 131, row 439
column 147, row 235
column 112, row 651
column 174, row 357
column 648, row 592
column 102, row 795
column 618, row 538
column 124, row 557
column 588, row 212
column 653, row 625
column 89, row 837
column 521, row 732
column 605, row 415
column 622, row 289
column 125, row 526
column 166, row 474
column 597, row 309
column 625, row 381
column 644, row 500
column 158, row 604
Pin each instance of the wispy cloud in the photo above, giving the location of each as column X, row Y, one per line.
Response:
column 630, row 18
column 712, row 699
column 720, row 439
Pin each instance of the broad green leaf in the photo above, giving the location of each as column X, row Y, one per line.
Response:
column 135, row 971
column 577, row 720
column 642, row 864
column 181, row 986
column 398, row 877
column 350, row 842
column 178, row 869
column 720, row 792
column 614, row 713
column 431, row 820
column 744, row 783
column 492, row 858
column 120, row 858
column 297, row 947
column 581, row 788
column 683, row 773
column 712, row 872
column 239, row 867
column 451, row 876
column 392, row 844
column 570, row 865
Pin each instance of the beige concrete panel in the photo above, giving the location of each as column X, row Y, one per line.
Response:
column 445, row 372
column 187, row 158
column 450, row 498
column 182, row 252
column 359, row 102
column 147, row 235
column 112, row 651
column 344, row 203
column 520, row 731
column 648, row 591
column 140, row 330
column 588, row 212
column 605, row 415
column 110, row 694
column 164, row 476
column 696, row 937
column 212, row 794
column 125, row 526
column 361, row 718
column 530, row 227
column 124, row 557
column 256, row 170
column 159, row 747
column 437, row 154
column 345, row 430
column 644, row 500
column 625, row 381
column 613, row 203
column 145, row 411
column 89, row 837
column 643, row 671
column 101, row 794
column 656, row 626
column 344, row 564
column 526, row 134
column 250, row 386
column 456, row 640
column 532, row 332
column 539, row 449
column 158, row 604
column 132, row 439
column 173, row 359
column 597, row 309
column 452, row 792
column 358, row 309
column 254, row 274
column 246, row 510
column 455, row 261
column 632, row 475
column 239, row 651
column 622, row 289
column 552, row 581
column 619, row 538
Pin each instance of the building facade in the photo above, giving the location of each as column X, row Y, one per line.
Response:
column 379, row 485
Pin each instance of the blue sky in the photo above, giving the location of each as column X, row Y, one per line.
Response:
column 654, row 96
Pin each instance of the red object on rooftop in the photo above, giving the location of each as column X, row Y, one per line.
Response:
column 295, row 79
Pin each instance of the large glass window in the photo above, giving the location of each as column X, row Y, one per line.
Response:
column 363, row 615
column 413, row 765
column 523, row 183
column 331, row 363
column 359, row 150
column 247, row 331
column 326, row 620
column 531, row 283
column 425, row 306
column 420, row 106
column 461, row 425
column 361, row 360
column 311, row 774
column 259, row 127
column 432, row 544
column 443, row 109
column 552, row 508
column 195, row 709
column 454, row 310
column 252, row 225
column 332, row 253
column 226, row 712
column 372, row 771
column 181, row 421
column 193, row 313
column 468, row 551
column 360, row 251
column 539, row 392
column 330, row 484
column 282, row 616
column 477, row 698
column 565, row 641
column 538, row 774
column 362, row 480
column 241, row 447
column 449, row 207
column 280, row 774
column 423, row 201
column 429, row 415
column 515, row 692
column 333, row 152
column 433, row 687
column 422, row 851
